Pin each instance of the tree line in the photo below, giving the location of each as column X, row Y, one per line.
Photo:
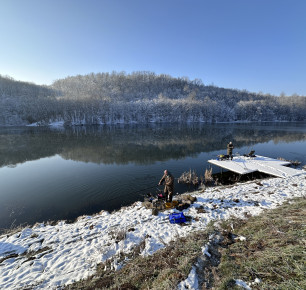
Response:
column 139, row 97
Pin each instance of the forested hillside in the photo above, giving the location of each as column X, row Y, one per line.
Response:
column 140, row 97
column 23, row 103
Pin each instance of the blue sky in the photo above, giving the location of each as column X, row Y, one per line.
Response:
column 257, row 45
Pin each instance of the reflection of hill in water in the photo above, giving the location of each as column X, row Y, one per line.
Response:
column 138, row 144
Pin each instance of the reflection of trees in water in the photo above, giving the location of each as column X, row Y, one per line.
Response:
column 139, row 144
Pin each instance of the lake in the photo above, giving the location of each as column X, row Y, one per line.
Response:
column 53, row 174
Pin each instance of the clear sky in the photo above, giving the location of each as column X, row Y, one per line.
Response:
column 257, row 45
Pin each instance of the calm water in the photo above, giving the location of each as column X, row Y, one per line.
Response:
column 50, row 174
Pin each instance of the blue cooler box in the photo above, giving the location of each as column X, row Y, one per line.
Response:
column 177, row 218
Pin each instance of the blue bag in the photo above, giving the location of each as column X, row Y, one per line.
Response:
column 177, row 218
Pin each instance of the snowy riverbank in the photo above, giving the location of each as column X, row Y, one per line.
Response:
column 48, row 256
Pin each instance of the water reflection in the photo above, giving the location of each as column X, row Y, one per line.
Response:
column 137, row 144
column 50, row 174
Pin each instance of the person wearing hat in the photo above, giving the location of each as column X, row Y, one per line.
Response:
column 169, row 185
column 230, row 148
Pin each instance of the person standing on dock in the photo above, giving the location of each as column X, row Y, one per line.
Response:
column 169, row 185
column 230, row 148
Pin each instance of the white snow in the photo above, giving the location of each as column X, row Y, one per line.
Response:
column 241, row 238
column 57, row 124
column 191, row 282
column 205, row 251
column 70, row 252
column 242, row 284
column 256, row 281
column 244, row 165
column 33, row 125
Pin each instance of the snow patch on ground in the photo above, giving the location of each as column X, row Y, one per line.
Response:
column 242, row 284
column 57, row 124
column 48, row 256
column 191, row 282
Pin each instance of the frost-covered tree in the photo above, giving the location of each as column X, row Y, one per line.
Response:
column 140, row 97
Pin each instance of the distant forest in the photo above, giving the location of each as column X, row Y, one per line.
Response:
column 139, row 97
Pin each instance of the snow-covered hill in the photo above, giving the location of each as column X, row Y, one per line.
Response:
column 140, row 97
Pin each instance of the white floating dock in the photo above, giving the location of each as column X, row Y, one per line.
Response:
column 244, row 165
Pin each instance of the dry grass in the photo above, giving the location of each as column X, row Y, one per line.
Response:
column 273, row 251
column 208, row 176
column 12, row 230
column 189, row 178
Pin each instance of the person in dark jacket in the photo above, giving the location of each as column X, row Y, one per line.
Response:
column 169, row 185
column 230, row 148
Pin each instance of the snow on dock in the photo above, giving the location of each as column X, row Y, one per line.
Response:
column 243, row 165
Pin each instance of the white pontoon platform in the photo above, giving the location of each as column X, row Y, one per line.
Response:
column 244, row 165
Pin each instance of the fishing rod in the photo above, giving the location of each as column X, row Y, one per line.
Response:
column 133, row 192
column 129, row 193
column 137, row 191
